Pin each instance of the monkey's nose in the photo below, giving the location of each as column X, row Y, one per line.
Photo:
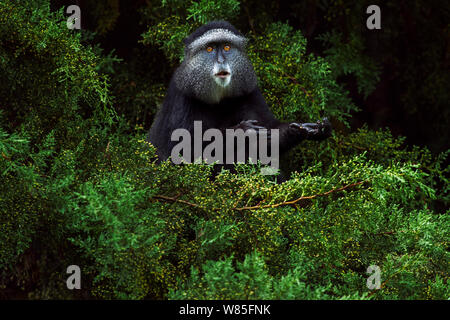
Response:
column 220, row 58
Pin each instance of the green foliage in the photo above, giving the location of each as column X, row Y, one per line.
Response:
column 207, row 10
column 252, row 281
column 347, row 58
column 122, row 239
column 296, row 85
column 106, row 13
column 78, row 183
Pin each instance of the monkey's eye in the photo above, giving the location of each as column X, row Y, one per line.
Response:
column 209, row 49
column 226, row 48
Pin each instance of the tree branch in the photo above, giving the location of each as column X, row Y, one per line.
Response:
column 293, row 202
column 275, row 205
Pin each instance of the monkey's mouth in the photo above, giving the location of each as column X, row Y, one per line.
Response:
column 222, row 74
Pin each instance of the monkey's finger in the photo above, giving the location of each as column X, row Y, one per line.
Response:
column 257, row 127
column 311, row 126
column 298, row 126
column 326, row 123
column 252, row 126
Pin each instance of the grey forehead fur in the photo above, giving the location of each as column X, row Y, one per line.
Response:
column 217, row 35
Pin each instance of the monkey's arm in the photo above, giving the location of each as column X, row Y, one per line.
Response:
column 290, row 134
column 314, row 131
column 293, row 133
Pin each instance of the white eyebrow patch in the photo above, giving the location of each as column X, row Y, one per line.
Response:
column 217, row 35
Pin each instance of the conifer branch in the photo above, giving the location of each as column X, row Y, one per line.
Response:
column 285, row 203
column 294, row 202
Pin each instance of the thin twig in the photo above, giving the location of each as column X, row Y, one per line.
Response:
column 107, row 155
column 166, row 198
column 295, row 81
column 6, row 157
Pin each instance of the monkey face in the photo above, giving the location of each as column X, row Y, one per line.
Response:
column 216, row 69
column 221, row 54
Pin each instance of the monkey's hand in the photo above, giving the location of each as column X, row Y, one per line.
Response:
column 252, row 125
column 313, row 131
column 248, row 125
